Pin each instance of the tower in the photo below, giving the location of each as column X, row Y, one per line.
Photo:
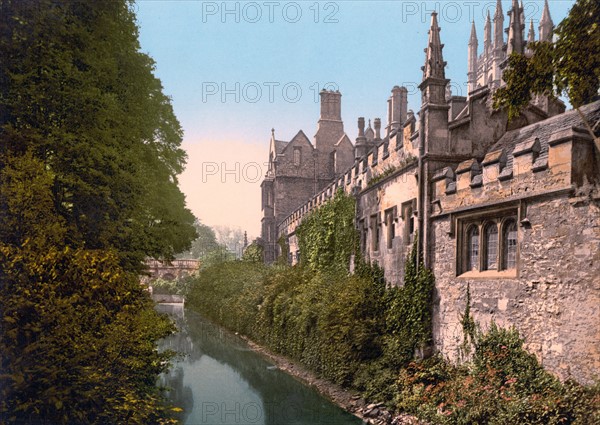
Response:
column 515, row 42
column 498, row 44
column 473, row 45
column 546, row 25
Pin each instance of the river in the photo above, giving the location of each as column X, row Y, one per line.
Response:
column 219, row 380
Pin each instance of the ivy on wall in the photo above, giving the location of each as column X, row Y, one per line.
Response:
column 327, row 237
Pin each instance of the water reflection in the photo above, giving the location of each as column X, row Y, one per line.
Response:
column 221, row 381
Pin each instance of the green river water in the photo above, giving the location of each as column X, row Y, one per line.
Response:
column 219, row 380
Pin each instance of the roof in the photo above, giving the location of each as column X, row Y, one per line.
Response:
column 280, row 145
column 544, row 129
column 541, row 132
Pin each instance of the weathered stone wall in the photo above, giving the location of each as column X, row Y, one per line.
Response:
column 554, row 301
column 379, row 201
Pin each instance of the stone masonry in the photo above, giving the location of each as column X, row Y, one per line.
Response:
column 510, row 210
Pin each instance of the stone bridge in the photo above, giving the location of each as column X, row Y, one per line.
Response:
column 175, row 269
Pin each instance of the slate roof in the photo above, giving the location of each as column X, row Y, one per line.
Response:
column 280, row 145
column 543, row 130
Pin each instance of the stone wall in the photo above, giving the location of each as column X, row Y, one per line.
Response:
column 554, row 301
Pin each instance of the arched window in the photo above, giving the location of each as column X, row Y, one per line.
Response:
column 491, row 246
column 509, row 244
column 472, row 248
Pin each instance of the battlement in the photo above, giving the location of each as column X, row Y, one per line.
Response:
column 390, row 157
column 534, row 165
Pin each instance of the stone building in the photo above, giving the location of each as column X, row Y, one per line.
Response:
column 299, row 169
column 510, row 210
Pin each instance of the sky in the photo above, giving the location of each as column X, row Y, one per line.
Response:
column 235, row 70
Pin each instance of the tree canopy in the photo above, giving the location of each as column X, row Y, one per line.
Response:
column 570, row 65
column 89, row 157
column 76, row 91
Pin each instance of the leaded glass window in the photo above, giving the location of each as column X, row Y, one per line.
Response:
column 491, row 246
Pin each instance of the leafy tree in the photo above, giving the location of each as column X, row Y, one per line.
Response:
column 570, row 66
column 77, row 332
column 89, row 158
column 253, row 253
column 230, row 237
column 76, row 92
column 204, row 244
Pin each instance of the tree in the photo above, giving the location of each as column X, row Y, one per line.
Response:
column 230, row 237
column 204, row 244
column 570, row 66
column 89, row 158
column 77, row 93
column 77, row 331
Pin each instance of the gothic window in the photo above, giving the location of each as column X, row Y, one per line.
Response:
column 374, row 233
column 509, row 245
column 408, row 209
column 473, row 248
column 363, row 236
column 297, row 156
column 489, row 244
column 491, row 247
column 390, row 226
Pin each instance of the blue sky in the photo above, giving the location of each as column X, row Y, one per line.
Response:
column 237, row 69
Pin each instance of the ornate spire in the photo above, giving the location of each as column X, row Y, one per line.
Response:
column 515, row 29
column 546, row 25
column 473, row 45
column 499, row 13
column 498, row 26
column 434, row 59
column 530, row 39
column 487, row 34
column 522, row 12
column 473, row 39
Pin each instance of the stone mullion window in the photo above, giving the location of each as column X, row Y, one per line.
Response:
column 488, row 244
column 472, row 248
column 509, row 245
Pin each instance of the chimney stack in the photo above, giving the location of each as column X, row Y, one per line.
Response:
column 331, row 105
column 397, row 107
column 377, row 125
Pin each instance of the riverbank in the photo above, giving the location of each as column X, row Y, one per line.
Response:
column 371, row 413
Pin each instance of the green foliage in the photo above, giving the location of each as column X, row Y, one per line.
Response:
column 253, row 253
column 577, row 53
column 88, row 188
column 355, row 331
column 204, row 244
column 470, row 329
column 77, row 93
column 77, row 331
column 180, row 286
column 571, row 65
column 408, row 315
column 379, row 177
column 327, row 236
column 391, row 170
column 284, row 250
column 504, row 384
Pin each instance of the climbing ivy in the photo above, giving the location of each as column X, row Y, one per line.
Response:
column 327, row 237
column 408, row 313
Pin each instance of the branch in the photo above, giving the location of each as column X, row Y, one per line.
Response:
column 589, row 128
